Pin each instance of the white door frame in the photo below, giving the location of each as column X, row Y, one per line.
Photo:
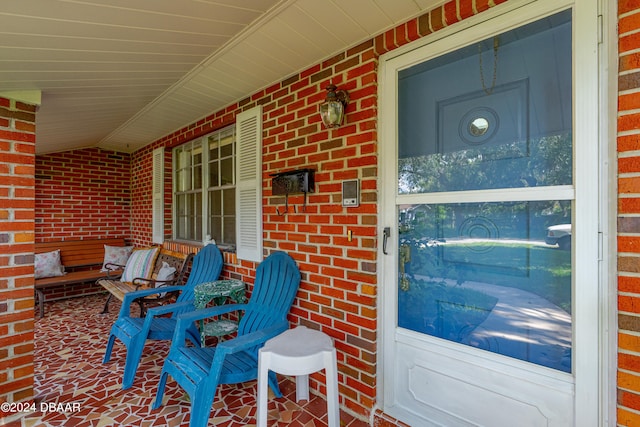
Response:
column 594, row 322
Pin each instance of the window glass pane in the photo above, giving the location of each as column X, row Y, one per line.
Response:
column 197, row 224
column 215, row 224
column 226, row 146
column 181, row 217
column 215, row 215
column 495, row 276
column 229, row 230
column 215, row 202
column 180, row 178
column 197, row 177
column 496, row 114
column 189, row 215
column 226, row 171
column 189, row 205
column 183, row 158
column 213, row 174
column 213, row 148
column 229, row 201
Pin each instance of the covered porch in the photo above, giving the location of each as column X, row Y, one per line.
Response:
column 73, row 388
column 97, row 178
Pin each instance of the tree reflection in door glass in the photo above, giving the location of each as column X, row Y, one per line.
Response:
column 486, row 275
column 544, row 162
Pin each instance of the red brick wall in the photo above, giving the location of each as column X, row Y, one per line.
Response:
column 17, row 189
column 141, row 195
column 628, row 144
column 83, row 194
column 339, row 287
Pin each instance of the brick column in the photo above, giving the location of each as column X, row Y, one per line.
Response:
column 628, row 146
column 17, row 197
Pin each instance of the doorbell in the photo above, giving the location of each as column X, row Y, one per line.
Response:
column 351, row 193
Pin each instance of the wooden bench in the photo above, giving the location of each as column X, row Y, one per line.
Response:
column 178, row 260
column 82, row 260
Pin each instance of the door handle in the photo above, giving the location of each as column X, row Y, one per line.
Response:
column 386, row 233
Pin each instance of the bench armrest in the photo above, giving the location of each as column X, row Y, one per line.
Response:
column 152, row 283
column 130, row 297
column 115, row 273
column 110, row 266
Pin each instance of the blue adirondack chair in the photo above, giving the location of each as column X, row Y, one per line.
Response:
column 134, row 331
column 199, row 370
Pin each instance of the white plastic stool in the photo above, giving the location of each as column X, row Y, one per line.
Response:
column 300, row 351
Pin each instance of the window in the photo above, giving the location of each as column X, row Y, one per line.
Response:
column 205, row 188
column 217, row 187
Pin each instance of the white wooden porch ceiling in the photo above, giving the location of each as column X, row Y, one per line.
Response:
column 119, row 74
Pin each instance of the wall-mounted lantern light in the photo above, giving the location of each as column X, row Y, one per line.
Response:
column 332, row 109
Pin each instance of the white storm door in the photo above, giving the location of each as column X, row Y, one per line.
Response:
column 490, row 262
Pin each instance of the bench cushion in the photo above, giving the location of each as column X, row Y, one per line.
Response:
column 47, row 264
column 140, row 264
column 115, row 255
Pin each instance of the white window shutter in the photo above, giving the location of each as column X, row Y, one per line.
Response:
column 158, row 196
column 249, row 184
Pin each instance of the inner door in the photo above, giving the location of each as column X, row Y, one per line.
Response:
column 482, row 266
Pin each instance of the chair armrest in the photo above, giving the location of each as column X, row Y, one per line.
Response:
column 165, row 309
column 252, row 339
column 217, row 310
column 170, row 308
column 186, row 319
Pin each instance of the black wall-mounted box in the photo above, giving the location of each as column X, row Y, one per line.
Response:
column 297, row 181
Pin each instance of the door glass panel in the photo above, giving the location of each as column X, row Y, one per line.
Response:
column 495, row 114
column 488, row 275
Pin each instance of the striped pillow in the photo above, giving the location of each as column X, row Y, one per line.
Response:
column 140, row 264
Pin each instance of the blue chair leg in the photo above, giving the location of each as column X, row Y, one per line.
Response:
column 160, row 393
column 107, row 353
column 201, row 407
column 273, row 383
column 134, row 354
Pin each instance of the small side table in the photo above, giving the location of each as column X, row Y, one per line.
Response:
column 300, row 351
column 218, row 291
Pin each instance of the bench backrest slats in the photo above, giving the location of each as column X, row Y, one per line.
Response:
column 78, row 253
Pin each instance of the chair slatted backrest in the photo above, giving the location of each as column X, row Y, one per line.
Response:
column 275, row 287
column 206, row 267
